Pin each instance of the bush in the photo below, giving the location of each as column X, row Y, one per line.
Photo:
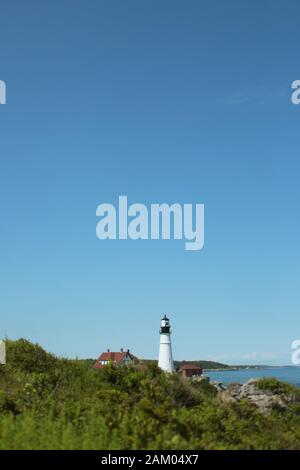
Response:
column 28, row 357
column 51, row 403
column 275, row 386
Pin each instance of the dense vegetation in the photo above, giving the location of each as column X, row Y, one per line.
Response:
column 52, row 403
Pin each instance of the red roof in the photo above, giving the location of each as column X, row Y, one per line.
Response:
column 190, row 367
column 114, row 358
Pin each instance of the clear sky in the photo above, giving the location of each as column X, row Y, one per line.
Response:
column 163, row 101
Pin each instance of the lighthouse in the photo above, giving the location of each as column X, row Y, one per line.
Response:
column 165, row 359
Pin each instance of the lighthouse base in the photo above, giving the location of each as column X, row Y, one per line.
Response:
column 165, row 358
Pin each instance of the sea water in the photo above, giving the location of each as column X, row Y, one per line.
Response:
column 286, row 374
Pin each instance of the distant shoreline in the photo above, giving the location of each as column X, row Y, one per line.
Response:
column 232, row 368
column 237, row 368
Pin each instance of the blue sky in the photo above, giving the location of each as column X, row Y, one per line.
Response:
column 164, row 101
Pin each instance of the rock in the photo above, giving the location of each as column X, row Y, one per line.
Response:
column 264, row 400
column 231, row 393
column 234, row 389
column 200, row 378
column 265, row 403
column 218, row 385
column 250, row 388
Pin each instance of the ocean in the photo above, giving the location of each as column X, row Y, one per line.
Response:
column 285, row 374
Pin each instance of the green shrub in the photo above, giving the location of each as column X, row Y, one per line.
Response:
column 28, row 357
column 275, row 386
column 51, row 403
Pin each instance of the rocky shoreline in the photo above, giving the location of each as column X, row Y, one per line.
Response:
column 264, row 400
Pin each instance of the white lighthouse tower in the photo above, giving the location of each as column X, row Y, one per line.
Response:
column 165, row 359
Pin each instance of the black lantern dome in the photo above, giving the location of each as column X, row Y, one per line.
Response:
column 165, row 325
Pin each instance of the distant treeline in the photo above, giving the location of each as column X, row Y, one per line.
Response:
column 178, row 364
column 205, row 365
column 202, row 364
